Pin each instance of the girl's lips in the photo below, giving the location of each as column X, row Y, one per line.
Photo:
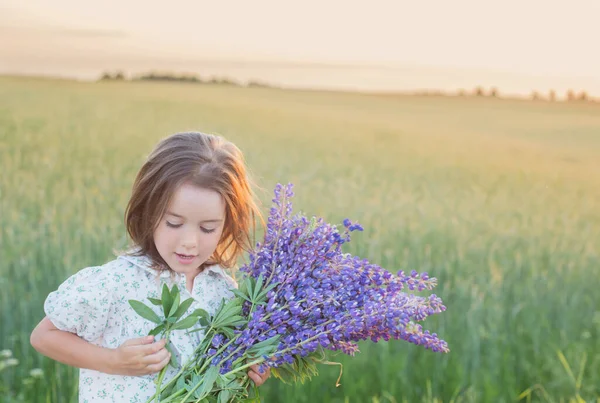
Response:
column 185, row 259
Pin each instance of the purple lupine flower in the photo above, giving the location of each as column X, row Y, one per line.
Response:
column 324, row 298
column 358, row 299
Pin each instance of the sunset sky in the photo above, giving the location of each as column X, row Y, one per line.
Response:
column 552, row 39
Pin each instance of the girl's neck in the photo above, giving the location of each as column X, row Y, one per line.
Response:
column 189, row 281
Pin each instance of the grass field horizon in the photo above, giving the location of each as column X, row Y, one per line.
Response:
column 498, row 199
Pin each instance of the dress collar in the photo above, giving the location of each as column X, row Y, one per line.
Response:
column 145, row 263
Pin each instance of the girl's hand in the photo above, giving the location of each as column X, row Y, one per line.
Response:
column 139, row 356
column 257, row 377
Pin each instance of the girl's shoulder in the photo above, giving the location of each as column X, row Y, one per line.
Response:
column 111, row 273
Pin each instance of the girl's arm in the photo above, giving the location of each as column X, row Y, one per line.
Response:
column 135, row 357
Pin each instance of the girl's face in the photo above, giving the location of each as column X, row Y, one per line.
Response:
column 188, row 233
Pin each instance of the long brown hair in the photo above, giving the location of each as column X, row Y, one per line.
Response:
column 204, row 160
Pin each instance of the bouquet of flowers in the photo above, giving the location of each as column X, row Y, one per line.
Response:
column 300, row 296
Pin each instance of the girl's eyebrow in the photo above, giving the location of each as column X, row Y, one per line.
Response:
column 214, row 220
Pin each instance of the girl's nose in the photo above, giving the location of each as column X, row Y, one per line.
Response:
column 190, row 240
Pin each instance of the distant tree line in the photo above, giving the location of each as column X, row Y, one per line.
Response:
column 183, row 78
column 479, row 91
column 551, row 96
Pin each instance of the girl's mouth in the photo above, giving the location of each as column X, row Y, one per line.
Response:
column 184, row 259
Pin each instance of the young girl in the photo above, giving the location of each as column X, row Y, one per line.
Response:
column 189, row 216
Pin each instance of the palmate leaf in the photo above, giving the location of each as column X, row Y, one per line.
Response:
column 144, row 311
column 253, row 290
column 232, row 308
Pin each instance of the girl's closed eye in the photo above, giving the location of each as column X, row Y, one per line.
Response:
column 203, row 229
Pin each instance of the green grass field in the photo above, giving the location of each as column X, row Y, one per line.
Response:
column 498, row 199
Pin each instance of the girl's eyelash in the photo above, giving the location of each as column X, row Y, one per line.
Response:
column 206, row 231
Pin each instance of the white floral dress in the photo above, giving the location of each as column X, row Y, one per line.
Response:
column 93, row 304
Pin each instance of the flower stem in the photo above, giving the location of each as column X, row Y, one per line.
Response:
column 233, row 371
column 163, row 371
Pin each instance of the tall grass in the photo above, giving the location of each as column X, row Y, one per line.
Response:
column 498, row 199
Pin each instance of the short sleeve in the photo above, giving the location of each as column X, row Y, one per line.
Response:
column 81, row 304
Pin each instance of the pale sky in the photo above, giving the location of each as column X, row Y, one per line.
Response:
column 549, row 38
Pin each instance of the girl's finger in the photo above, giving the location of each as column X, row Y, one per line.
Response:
column 156, row 357
column 255, row 378
column 153, row 348
column 152, row 368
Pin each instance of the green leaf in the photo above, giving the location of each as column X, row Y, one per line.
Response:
column 240, row 294
column 201, row 313
column 167, row 392
column 270, row 343
column 157, row 330
column 226, row 381
column 180, row 384
column 174, row 306
column 302, row 369
column 238, row 361
column 144, row 311
column 173, row 361
column 228, row 332
column 224, row 396
column 207, row 382
column 174, row 291
column 231, row 308
column 167, row 300
column 155, row 301
column 262, row 295
column 257, row 287
column 171, row 320
column 284, row 374
column 233, row 321
column 249, row 286
column 186, row 323
column 183, row 308
column 301, row 365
